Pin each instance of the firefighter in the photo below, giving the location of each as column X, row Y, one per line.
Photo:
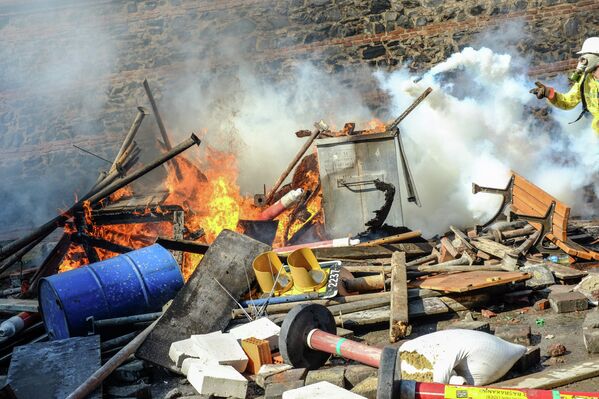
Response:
column 585, row 88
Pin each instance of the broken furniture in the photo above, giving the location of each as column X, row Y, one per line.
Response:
column 522, row 200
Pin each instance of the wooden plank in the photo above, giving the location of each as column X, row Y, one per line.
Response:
column 19, row 305
column 468, row 281
column 539, row 206
column 203, row 306
column 420, row 308
column 445, row 243
column 541, row 195
column 492, row 248
column 554, row 377
column 399, row 326
column 392, row 239
column 412, row 250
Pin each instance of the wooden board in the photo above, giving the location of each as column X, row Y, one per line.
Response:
column 19, row 305
column 468, row 281
column 49, row 370
column 412, row 250
column 418, row 308
column 554, row 377
column 203, row 306
column 398, row 320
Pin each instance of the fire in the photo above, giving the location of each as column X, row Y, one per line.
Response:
column 208, row 192
column 375, row 126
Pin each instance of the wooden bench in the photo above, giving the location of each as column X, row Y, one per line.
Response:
column 523, row 200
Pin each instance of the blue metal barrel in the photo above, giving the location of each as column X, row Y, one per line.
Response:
column 137, row 282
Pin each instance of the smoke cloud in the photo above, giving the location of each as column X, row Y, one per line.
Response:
column 479, row 130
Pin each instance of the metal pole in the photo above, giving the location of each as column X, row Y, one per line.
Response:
column 103, row 372
column 401, row 117
column 119, row 321
column 129, row 138
column 163, row 133
column 59, row 220
column 153, row 165
column 320, row 126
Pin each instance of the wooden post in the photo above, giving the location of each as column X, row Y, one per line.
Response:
column 178, row 229
column 398, row 317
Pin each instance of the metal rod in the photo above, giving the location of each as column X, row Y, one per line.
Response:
column 129, row 138
column 103, row 372
column 11, row 260
column 321, row 126
column 118, row 341
column 153, row 165
column 401, row 117
column 163, row 133
column 91, row 153
column 93, row 197
column 119, row 321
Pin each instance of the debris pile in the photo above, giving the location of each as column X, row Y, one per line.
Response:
column 314, row 287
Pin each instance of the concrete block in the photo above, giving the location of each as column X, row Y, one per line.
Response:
column 276, row 391
column 258, row 353
column 333, row 375
column 560, row 288
column 367, row 388
column 356, row 373
column 568, row 302
column 322, row 389
column 287, row 376
column 217, row 380
column 517, row 333
column 261, row 328
column 590, row 331
column 223, row 348
column 181, row 350
column 269, row 369
column 469, row 325
column 201, row 362
column 530, row 359
column 589, row 287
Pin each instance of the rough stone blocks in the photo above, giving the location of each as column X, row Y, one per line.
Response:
column 590, row 331
column 568, row 302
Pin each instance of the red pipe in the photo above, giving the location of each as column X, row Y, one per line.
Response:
column 15, row 324
column 370, row 355
column 279, row 207
column 330, row 343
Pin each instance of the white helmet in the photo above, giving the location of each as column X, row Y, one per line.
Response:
column 591, row 45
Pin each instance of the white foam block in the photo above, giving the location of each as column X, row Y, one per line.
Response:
column 181, row 350
column 217, row 380
column 321, row 389
column 262, row 328
column 200, row 362
column 222, row 349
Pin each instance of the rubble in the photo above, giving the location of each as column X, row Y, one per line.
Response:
column 303, row 297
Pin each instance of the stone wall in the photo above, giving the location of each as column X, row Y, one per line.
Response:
column 71, row 71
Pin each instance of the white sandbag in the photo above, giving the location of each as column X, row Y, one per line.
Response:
column 480, row 358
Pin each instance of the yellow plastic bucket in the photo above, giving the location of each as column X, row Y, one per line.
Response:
column 267, row 266
column 305, row 270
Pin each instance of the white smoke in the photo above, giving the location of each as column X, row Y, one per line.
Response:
column 479, row 129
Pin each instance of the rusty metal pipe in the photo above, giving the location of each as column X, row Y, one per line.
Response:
column 148, row 168
column 320, row 126
column 118, row 160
